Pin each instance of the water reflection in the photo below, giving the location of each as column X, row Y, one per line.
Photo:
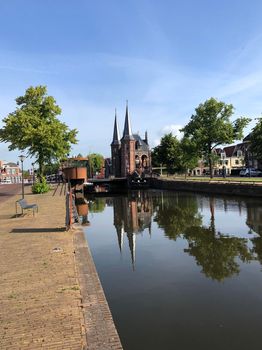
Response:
column 82, row 208
column 254, row 222
column 218, row 253
column 132, row 215
column 175, row 214
column 197, row 268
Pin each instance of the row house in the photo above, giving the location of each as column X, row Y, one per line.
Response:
column 230, row 160
column 10, row 172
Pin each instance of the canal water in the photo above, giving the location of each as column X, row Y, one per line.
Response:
column 180, row 270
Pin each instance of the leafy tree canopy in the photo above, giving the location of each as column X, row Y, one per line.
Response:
column 175, row 154
column 96, row 162
column 34, row 127
column 51, row 168
column 210, row 127
column 167, row 152
column 256, row 140
column 188, row 157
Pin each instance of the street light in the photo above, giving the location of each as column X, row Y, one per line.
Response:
column 223, row 156
column 33, row 164
column 22, row 158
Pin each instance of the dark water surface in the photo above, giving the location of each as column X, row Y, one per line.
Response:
column 180, row 270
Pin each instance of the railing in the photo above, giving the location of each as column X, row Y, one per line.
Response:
column 71, row 210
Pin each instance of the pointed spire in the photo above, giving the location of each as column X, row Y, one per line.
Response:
column 132, row 247
column 150, row 228
column 127, row 134
column 116, row 133
column 120, row 236
column 146, row 138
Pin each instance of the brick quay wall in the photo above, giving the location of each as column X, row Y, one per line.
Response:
column 211, row 187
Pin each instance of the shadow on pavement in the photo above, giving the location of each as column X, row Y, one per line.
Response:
column 43, row 229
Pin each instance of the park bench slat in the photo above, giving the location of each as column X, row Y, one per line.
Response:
column 25, row 206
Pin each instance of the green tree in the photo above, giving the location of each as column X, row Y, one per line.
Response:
column 256, row 140
column 96, row 163
column 167, row 153
column 188, row 156
column 210, row 127
column 155, row 157
column 26, row 174
column 176, row 155
column 34, row 127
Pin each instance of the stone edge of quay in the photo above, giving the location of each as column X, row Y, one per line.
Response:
column 100, row 329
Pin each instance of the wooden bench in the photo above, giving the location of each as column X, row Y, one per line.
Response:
column 25, row 206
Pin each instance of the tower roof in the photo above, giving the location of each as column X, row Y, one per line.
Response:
column 146, row 138
column 115, row 140
column 127, row 134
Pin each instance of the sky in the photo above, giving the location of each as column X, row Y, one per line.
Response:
column 164, row 57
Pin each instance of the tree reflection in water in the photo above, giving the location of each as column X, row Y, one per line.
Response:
column 178, row 215
column 216, row 253
column 175, row 213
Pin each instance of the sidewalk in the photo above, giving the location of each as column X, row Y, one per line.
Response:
column 44, row 292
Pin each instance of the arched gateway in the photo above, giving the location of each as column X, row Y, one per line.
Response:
column 131, row 153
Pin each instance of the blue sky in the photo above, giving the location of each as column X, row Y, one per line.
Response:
column 165, row 57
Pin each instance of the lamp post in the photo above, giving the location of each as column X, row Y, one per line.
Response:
column 247, row 159
column 33, row 164
column 223, row 156
column 22, row 158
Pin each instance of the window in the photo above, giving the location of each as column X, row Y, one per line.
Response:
column 239, row 153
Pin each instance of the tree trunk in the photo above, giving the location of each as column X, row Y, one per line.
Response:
column 41, row 167
column 210, row 164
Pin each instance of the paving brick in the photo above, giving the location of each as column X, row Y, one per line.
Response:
column 49, row 300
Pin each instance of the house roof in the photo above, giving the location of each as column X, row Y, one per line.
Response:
column 13, row 165
column 115, row 140
column 141, row 143
column 127, row 134
column 231, row 151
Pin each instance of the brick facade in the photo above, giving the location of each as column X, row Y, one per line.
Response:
column 131, row 153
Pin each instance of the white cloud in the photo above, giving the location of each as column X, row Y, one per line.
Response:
column 174, row 129
column 156, row 142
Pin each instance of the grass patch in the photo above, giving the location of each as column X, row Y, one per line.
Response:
column 215, row 179
column 12, row 296
column 75, row 288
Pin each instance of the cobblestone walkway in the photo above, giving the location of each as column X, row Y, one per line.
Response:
column 40, row 296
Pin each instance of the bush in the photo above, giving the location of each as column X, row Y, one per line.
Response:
column 41, row 187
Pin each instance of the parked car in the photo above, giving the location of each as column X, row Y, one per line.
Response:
column 250, row 172
column 6, row 181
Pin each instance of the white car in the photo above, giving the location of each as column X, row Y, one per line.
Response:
column 250, row 172
column 6, row 181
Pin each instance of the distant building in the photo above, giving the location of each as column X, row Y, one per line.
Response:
column 231, row 159
column 130, row 154
column 9, row 172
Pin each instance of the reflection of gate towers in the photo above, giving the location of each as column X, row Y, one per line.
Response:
column 131, row 153
column 132, row 216
column 254, row 217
